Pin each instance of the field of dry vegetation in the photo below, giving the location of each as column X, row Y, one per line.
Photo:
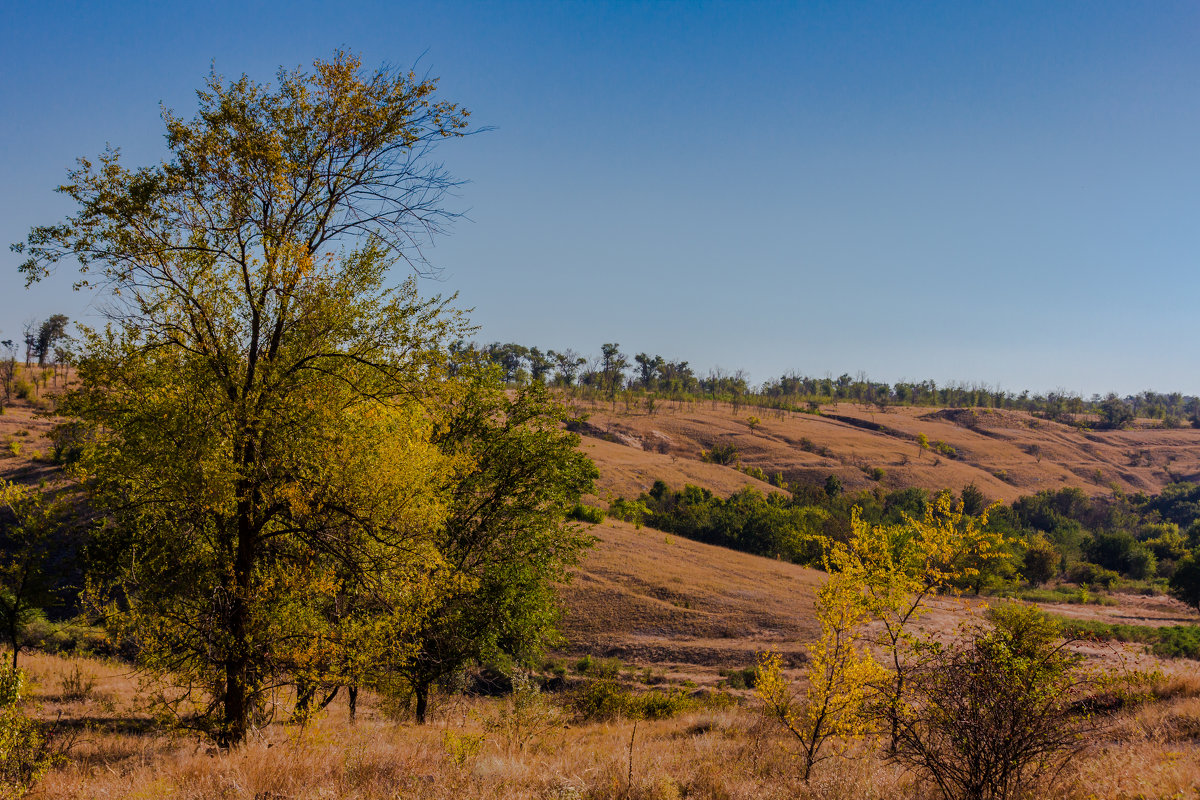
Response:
column 657, row 614
column 465, row 751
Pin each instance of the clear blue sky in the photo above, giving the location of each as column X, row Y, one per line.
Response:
column 1004, row 193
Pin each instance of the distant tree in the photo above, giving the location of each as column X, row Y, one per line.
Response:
column 973, row 500
column 612, row 368
column 754, row 423
column 1185, row 582
column 567, row 364
column 540, row 364
column 1115, row 412
column 833, row 485
column 8, row 371
column 922, row 444
column 648, row 369
column 49, row 334
column 30, row 333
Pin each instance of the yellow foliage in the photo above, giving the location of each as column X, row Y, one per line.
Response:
column 841, row 675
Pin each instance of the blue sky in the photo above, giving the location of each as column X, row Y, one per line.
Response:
column 1001, row 193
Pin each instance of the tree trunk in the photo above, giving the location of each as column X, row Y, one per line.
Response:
column 238, row 678
column 352, row 700
column 421, row 691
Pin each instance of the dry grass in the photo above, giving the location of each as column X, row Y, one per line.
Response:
column 995, row 449
column 730, row 754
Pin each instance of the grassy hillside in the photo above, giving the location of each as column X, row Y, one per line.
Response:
column 1005, row 453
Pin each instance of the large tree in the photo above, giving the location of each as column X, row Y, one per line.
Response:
column 255, row 410
column 506, row 538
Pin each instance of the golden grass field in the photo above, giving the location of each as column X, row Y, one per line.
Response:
column 670, row 608
column 726, row 754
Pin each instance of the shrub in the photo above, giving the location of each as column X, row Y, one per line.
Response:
column 969, row 698
column 945, row 449
column 1178, row 641
column 744, row 678
column 606, row 699
column 601, row 700
column 26, row 747
column 585, row 513
column 755, row 472
column 723, row 454
column 1092, row 574
column 461, row 748
column 525, row 717
column 77, row 684
column 634, row 511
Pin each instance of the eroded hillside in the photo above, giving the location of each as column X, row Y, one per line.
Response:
column 1005, row 453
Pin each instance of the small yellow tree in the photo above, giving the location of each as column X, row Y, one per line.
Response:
column 840, row 676
column 898, row 567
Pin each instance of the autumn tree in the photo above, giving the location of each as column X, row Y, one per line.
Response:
column 840, row 673
column 922, row 444
column 899, row 568
column 254, row 403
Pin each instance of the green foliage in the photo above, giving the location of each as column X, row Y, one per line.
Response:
column 723, row 454
column 585, row 513
column 604, row 668
column 36, row 555
column 255, row 426
column 771, row 525
column 506, row 538
column 1074, row 595
column 1172, row 641
column 966, row 701
column 27, row 748
column 744, row 678
column 1185, row 582
column 606, row 699
column 1178, row 641
column 632, row 511
column 1041, row 561
column 1092, row 575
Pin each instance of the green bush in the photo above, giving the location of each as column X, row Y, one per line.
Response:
column 26, row 747
column 1092, row 629
column 71, row 636
column 600, row 700
column 606, row 699
column 1091, row 574
column 585, row 513
column 740, row 678
column 723, row 454
column 1178, row 641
